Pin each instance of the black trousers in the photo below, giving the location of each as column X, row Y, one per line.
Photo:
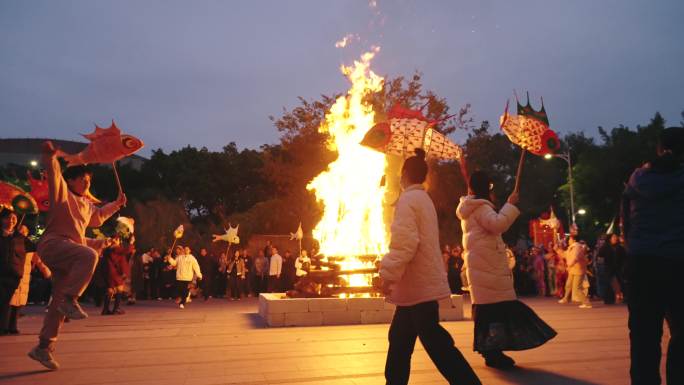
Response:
column 234, row 283
column 654, row 295
column 422, row 321
column 273, row 284
column 8, row 284
column 183, row 290
column 260, row 284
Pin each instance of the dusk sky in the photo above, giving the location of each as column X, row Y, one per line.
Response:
column 206, row 73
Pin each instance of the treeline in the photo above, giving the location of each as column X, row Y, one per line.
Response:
column 265, row 192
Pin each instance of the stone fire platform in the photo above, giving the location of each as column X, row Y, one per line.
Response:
column 278, row 310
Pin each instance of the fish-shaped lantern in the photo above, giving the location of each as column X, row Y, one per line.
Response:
column 530, row 129
column 107, row 145
column 178, row 232
column 39, row 191
column 405, row 130
column 231, row 235
column 15, row 197
column 298, row 235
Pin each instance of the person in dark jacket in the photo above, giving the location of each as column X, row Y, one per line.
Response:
column 610, row 261
column 208, row 264
column 454, row 266
column 653, row 220
column 12, row 260
column 155, row 271
column 289, row 271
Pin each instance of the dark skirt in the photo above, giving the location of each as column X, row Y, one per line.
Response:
column 508, row 325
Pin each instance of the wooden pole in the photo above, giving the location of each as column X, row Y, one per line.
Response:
column 116, row 175
column 520, row 167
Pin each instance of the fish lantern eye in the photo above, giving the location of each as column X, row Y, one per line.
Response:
column 129, row 142
column 550, row 141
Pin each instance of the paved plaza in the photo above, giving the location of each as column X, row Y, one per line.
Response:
column 224, row 342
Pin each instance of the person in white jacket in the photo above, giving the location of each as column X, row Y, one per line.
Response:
column 414, row 278
column 186, row 269
column 501, row 321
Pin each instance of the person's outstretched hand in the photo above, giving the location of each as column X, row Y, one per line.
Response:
column 514, row 198
column 121, row 199
column 48, row 148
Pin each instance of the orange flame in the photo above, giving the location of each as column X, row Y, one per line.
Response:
column 352, row 223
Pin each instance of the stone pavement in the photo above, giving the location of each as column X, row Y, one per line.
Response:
column 223, row 342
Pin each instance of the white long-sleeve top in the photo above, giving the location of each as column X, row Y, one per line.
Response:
column 186, row 267
column 276, row 265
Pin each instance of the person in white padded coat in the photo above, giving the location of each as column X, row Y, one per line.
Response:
column 414, row 278
column 501, row 321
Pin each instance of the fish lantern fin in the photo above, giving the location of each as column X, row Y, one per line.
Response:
column 100, row 132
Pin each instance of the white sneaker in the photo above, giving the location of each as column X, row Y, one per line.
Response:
column 585, row 306
column 562, row 300
column 181, row 306
column 44, row 356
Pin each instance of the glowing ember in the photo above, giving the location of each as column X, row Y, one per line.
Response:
column 352, row 223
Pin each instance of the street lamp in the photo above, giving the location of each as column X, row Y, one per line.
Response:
column 566, row 158
column 581, row 211
column 33, row 163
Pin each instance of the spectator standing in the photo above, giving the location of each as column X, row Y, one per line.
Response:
column 653, row 220
column 261, row 271
column 247, row 284
column 137, row 277
column 221, row 277
column 454, row 266
column 551, row 261
column 12, row 263
column 156, row 275
column 20, row 297
column 576, row 259
column 268, row 250
column 539, row 265
column 289, row 272
column 209, row 265
column 236, row 275
column 146, row 260
column 275, row 271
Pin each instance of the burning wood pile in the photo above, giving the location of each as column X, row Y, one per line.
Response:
column 329, row 279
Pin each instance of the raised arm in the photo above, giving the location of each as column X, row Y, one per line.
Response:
column 56, row 185
column 497, row 223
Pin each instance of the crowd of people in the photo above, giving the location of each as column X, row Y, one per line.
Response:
column 181, row 274
column 572, row 271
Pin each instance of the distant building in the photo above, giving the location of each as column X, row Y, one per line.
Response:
column 25, row 151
